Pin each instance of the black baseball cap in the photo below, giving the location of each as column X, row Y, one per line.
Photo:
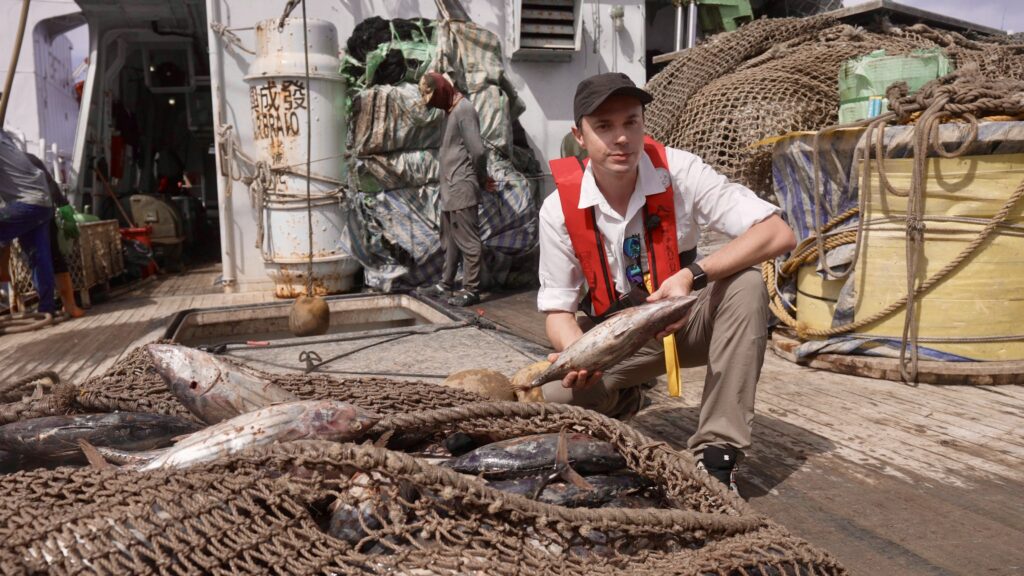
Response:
column 593, row 91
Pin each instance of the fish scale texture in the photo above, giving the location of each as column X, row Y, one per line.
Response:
column 775, row 76
column 267, row 510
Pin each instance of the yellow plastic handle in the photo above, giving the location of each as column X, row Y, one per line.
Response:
column 675, row 383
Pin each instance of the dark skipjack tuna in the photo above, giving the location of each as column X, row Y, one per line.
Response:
column 604, row 488
column 531, row 454
column 617, row 338
column 55, row 438
column 211, row 388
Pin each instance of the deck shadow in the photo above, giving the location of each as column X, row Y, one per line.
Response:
column 778, row 449
column 74, row 353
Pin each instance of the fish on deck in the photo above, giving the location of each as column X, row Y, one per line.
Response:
column 211, row 388
column 54, row 439
column 528, row 455
column 301, row 420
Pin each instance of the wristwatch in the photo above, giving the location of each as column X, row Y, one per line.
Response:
column 700, row 279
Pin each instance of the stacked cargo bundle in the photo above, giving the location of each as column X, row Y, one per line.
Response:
column 395, row 227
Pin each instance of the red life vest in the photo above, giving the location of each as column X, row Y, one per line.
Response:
column 659, row 219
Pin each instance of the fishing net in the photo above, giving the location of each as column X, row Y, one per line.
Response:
column 133, row 385
column 269, row 511
column 774, row 76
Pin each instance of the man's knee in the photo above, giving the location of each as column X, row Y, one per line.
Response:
column 746, row 287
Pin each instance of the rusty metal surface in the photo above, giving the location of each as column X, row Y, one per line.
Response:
column 282, row 102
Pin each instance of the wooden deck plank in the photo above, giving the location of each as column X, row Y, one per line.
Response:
column 877, row 448
column 929, row 418
column 91, row 345
column 970, row 403
column 950, row 394
column 794, row 400
column 832, row 514
column 104, row 337
column 922, row 412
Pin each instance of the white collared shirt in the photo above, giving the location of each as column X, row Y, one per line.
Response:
column 703, row 198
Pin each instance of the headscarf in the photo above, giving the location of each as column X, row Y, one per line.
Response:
column 437, row 91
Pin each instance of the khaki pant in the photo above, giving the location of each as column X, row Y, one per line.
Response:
column 727, row 331
column 460, row 235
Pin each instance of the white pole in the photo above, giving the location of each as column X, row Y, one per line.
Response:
column 691, row 25
column 679, row 27
column 224, row 213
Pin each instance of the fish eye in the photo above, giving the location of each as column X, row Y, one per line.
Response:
column 193, row 385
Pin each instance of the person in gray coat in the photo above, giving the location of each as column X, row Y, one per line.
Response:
column 463, row 175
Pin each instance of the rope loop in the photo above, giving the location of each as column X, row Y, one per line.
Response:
column 963, row 95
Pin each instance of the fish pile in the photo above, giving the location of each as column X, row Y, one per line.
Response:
column 241, row 409
column 568, row 469
column 592, row 471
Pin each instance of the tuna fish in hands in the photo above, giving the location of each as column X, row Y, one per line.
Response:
column 612, row 341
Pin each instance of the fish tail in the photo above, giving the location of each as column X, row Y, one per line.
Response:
column 564, row 468
column 540, row 380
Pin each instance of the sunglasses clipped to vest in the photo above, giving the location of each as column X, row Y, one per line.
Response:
column 639, row 280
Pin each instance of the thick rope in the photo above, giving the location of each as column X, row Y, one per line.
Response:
column 10, row 390
column 964, row 94
column 26, row 323
column 805, row 332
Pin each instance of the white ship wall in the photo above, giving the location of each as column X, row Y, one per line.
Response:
column 546, row 87
column 42, row 107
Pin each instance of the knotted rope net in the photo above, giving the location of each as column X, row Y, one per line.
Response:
column 270, row 510
column 726, row 99
column 774, row 76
